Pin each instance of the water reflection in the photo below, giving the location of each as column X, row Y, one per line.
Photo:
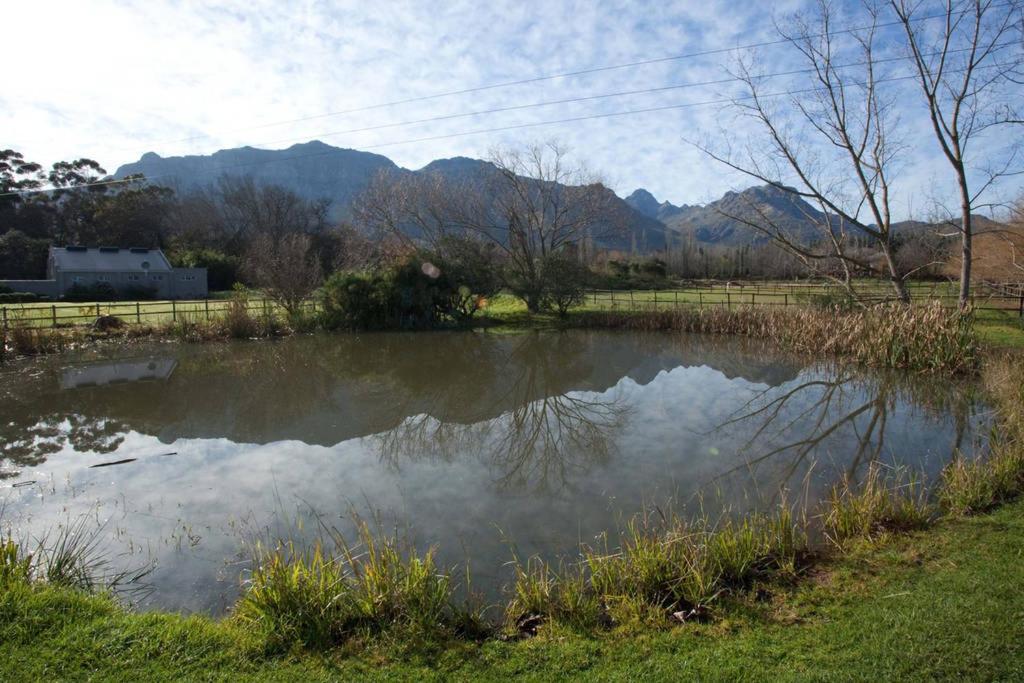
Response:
column 547, row 438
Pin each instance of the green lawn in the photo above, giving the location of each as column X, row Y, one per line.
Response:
column 944, row 604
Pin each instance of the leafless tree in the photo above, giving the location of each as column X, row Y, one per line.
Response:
column 969, row 73
column 832, row 145
column 532, row 204
column 286, row 268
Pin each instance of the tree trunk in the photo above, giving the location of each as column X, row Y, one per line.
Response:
column 898, row 284
column 966, row 229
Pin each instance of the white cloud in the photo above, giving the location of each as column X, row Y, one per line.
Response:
column 112, row 80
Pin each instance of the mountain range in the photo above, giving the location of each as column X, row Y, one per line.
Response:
column 316, row 170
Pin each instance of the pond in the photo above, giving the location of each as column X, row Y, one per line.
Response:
column 477, row 442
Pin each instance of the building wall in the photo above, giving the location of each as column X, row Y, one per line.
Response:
column 161, row 283
column 189, row 283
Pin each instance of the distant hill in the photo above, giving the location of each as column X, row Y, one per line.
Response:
column 711, row 223
column 319, row 171
column 316, row 170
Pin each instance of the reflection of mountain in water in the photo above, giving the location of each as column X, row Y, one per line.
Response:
column 327, row 389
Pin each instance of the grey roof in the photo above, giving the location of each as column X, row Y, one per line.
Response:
column 108, row 259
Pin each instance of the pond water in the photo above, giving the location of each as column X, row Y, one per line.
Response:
column 475, row 442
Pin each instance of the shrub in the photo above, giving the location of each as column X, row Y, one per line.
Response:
column 138, row 293
column 564, row 280
column 10, row 297
column 415, row 293
column 238, row 322
column 100, row 291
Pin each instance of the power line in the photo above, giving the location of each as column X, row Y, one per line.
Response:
column 566, row 74
column 590, row 98
column 533, row 124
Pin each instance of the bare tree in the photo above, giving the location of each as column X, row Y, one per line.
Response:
column 833, row 146
column 532, row 205
column 967, row 71
column 286, row 268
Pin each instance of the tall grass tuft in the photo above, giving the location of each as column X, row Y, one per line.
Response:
column 318, row 598
column 15, row 565
column 885, row 502
column 70, row 556
column 924, row 337
column 972, row 486
column 670, row 566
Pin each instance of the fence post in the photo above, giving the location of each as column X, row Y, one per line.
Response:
column 53, row 314
column 174, row 311
column 5, row 313
column 631, row 300
column 728, row 299
column 700, row 299
column 138, row 313
column 265, row 313
column 676, row 294
column 206, row 305
column 785, row 301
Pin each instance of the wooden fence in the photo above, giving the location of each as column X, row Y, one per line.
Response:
column 65, row 314
column 987, row 297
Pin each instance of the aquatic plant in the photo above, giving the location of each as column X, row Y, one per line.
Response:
column 886, row 501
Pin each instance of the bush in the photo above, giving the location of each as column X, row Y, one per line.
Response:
column 414, row 294
column 565, row 279
column 138, row 293
column 101, row 291
column 222, row 270
column 10, row 297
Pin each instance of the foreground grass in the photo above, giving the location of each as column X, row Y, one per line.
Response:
column 946, row 603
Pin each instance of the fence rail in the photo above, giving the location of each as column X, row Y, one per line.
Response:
column 702, row 297
column 64, row 314
column 987, row 297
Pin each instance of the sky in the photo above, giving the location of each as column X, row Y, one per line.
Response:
column 113, row 79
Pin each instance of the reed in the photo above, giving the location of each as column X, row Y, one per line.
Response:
column 970, row 486
column 926, row 337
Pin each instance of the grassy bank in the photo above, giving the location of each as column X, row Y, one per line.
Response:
column 946, row 603
column 925, row 337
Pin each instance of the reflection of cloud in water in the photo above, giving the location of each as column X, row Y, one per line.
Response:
column 116, row 372
column 550, row 453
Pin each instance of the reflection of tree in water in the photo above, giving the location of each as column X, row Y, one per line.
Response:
column 29, row 445
column 846, row 406
column 543, row 431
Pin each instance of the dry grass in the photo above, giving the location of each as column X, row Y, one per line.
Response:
column 972, row 486
column 926, row 337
